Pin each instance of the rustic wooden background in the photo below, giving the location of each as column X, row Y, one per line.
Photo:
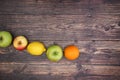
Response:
column 92, row 25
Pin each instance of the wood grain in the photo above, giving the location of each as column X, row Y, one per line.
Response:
column 58, row 69
column 92, row 25
column 97, row 78
column 101, row 70
column 92, row 52
column 40, row 68
column 50, row 7
column 53, row 27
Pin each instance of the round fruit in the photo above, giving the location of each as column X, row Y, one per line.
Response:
column 54, row 53
column 5, row 38
column 36, row 48
column 71, row 52
column 20, row 42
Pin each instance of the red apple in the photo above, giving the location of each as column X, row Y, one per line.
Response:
column 20, row 42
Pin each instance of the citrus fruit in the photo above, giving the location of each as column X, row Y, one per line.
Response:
column 36, row 48
column 71, row 52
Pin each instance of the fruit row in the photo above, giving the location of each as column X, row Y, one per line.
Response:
column 53, row 52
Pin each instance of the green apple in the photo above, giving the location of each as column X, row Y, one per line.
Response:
column 5, row 38
column 20, row 42
column 54, row 53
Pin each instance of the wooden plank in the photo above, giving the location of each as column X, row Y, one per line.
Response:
column 55, row 35
column 53, row 27
column 48, row 77
column 95, row 59
column 32, row 77
column 97, row 77
column 39, row 68
column 79, row 21
column 97, row 52
column 84, row 7
column 40, row 7
column 101, row 70
column 59, row 69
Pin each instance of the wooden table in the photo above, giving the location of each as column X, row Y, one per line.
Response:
column 92, row 25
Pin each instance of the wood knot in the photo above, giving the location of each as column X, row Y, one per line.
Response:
column 110, row 27
column 119, row 23
column 76, row 41
column 106, row 28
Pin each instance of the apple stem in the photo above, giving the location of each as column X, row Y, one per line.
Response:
column 55, row 53
column 19, row 42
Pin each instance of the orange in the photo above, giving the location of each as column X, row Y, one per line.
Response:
column 71, row 52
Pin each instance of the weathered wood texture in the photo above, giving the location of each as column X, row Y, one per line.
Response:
column 92, row 25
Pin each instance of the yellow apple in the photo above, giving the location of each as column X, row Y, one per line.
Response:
column 20, row 42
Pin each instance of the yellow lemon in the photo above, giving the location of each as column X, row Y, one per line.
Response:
column 36, row 48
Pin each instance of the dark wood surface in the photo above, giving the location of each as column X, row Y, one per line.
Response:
column 92, row 25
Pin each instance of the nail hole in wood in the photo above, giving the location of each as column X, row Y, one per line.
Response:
column 75, row 41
